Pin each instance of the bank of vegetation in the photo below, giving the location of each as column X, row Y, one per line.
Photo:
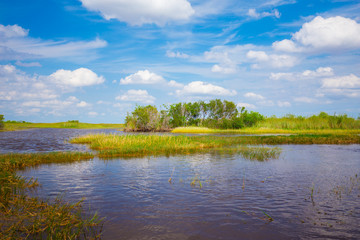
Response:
column 217, row 116
column 112, row 145
column 25, row 217
column 21, row 125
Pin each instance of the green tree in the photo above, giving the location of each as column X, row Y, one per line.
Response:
column 143, row 118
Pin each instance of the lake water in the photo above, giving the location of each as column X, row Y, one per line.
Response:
column 311, row 191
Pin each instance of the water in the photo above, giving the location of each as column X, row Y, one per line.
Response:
column 300, row 191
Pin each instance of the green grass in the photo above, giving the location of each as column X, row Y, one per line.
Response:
column 111, row 145
column 264, row 130
column 21, row 126
column 24, row 217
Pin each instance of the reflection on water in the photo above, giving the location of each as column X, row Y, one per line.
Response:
column 297, row 191
column 44, row 139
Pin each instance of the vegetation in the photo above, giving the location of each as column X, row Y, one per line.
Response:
column 24, row 217
column 110, row 145
column 1, row 121
column 214, row 114
column 320, row 121
column 20, row 125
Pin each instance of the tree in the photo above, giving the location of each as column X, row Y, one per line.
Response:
column 143, row 118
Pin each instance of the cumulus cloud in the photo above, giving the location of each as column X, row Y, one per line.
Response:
column 254, row 14
column 342, row 85
column 175, row 84
column 273, row 60
column 141, row 96
column 142, row 77
column 323, row 35
column 254, row 96
column 15, row 44
column 141, row 12
column 34, row 94
column 77, row 78
column 203, row 88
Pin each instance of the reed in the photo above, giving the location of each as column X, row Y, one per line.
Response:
column 24, row 217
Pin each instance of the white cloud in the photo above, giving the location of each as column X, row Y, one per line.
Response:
column 12, row 31
column 254, row 96
column 319, row 72
column 273, row 60
column 175, row 84
column 226, row 70
column 83, row 104
column 283, row 104
column 202, row 88
column 142, row 77
column 253, row 13
column 246, row 105
column 139, row 12
column 176, row 54
column 348, row 86
column 267, row 103
column 350, row 81
column 15, row 44
column 323, row 35
column 77, row 78
column 281, row 75
column 307, row 74
column 141, row 96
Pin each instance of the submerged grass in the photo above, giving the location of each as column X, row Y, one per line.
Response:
column 112, row 145
column 24, row 217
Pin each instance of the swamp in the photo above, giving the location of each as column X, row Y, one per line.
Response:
column 109, row 184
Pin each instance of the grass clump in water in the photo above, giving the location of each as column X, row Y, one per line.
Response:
column 24, row 217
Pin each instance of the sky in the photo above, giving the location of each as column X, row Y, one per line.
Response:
column 96, row 60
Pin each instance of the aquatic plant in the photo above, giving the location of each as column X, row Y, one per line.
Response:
column 24, row 217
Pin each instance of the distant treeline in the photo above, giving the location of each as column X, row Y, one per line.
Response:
column 213, row 114
column 225, row 115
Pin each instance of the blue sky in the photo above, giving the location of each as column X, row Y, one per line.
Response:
column 94, row 60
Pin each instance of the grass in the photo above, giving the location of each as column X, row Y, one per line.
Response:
column 264, row 130
column 111, row 145
column 13, row 126
column 24, row 217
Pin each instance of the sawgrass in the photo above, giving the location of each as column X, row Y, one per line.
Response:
column 24, row 217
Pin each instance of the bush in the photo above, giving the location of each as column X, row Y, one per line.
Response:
column 1, row 121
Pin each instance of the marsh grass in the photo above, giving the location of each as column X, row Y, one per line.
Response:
column 24, row 217
column 111, row 145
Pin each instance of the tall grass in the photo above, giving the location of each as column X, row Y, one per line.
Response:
column 321, row 121
column 24, row 217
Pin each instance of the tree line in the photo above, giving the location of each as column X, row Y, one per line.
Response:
column 213, row 114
